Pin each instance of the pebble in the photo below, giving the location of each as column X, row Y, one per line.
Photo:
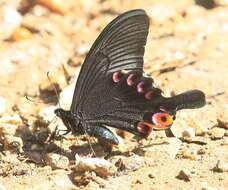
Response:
column 221, row 166
column 185, row 153
column 151, row 175
column 202, row 151
column 222, row 122
column 100, row 166
column 2, row 187
column 189, row 132
column 2, row 105
column 199, row 132
column 66, row 96
column 10, row 19
column 61, row 181
column 14, row 120
column 131, row 163
column 216, row 133
column 21, row 33
column 205, row 186
column 57, row 6
column 47, row 114
column 184, row 175
column 83, row 49
column 57, row 161
column 224, row 142
column 8, row 129
column 226, row 134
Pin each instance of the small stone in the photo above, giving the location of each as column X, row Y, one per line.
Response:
column 61, row 181
column 226, row 134
column 10, row 19
column 179, row 55
column 14, row 120
column 21, row 33
column 222, row 123
column 151, row 175
column 221, row 166
column 8, row 129
column 57, row 125
column 47, row 114
column 199, row 132
column 196, row 140
column 101, row 167
column 2, row 105
column 187, row 155
column 201, row 151
column 208, row 4
column 184, row 175
column 66, row 97
column 189, row 132
column 138, row 181
column 224, row 142
column 57, row 6
column 205, row 186
column 2, row 187
column 57, row 161
column 83, row 49
column 216, row 133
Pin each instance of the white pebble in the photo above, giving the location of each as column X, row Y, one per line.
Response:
column 10, row 19
column 189, row 132
column 57, row 161
column 100, row 166
column 47, row 114
column 66, row 97
column 2, row 187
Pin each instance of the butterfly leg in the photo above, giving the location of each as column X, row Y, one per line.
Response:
column 169, row 133
column 103, row 134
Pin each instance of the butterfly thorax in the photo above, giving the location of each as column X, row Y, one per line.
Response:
column 70, row 120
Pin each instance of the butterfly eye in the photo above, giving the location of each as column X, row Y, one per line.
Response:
column 162, row 120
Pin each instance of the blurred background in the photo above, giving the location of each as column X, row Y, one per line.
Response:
column 187, row 48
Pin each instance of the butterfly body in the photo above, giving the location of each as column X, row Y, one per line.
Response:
column 112, row 90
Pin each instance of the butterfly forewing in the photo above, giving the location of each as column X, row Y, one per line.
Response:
column 120, row 46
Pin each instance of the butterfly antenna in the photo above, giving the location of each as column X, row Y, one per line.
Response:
column 54, row 88
column 33, row 101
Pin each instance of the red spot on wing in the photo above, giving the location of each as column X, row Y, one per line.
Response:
column 141, row 87
column 116, row 77
column 131, row 79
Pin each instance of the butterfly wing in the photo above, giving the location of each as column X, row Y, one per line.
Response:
column 104, row 92
column 120, row 46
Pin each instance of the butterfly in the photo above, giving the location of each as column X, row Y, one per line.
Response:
column 112, row 89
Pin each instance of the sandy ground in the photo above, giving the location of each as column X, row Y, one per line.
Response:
column 186, row 49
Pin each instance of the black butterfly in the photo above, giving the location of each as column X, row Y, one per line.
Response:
column 112, row 89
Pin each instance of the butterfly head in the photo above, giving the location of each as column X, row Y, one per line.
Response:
column 68, row 119
column 60, row 113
